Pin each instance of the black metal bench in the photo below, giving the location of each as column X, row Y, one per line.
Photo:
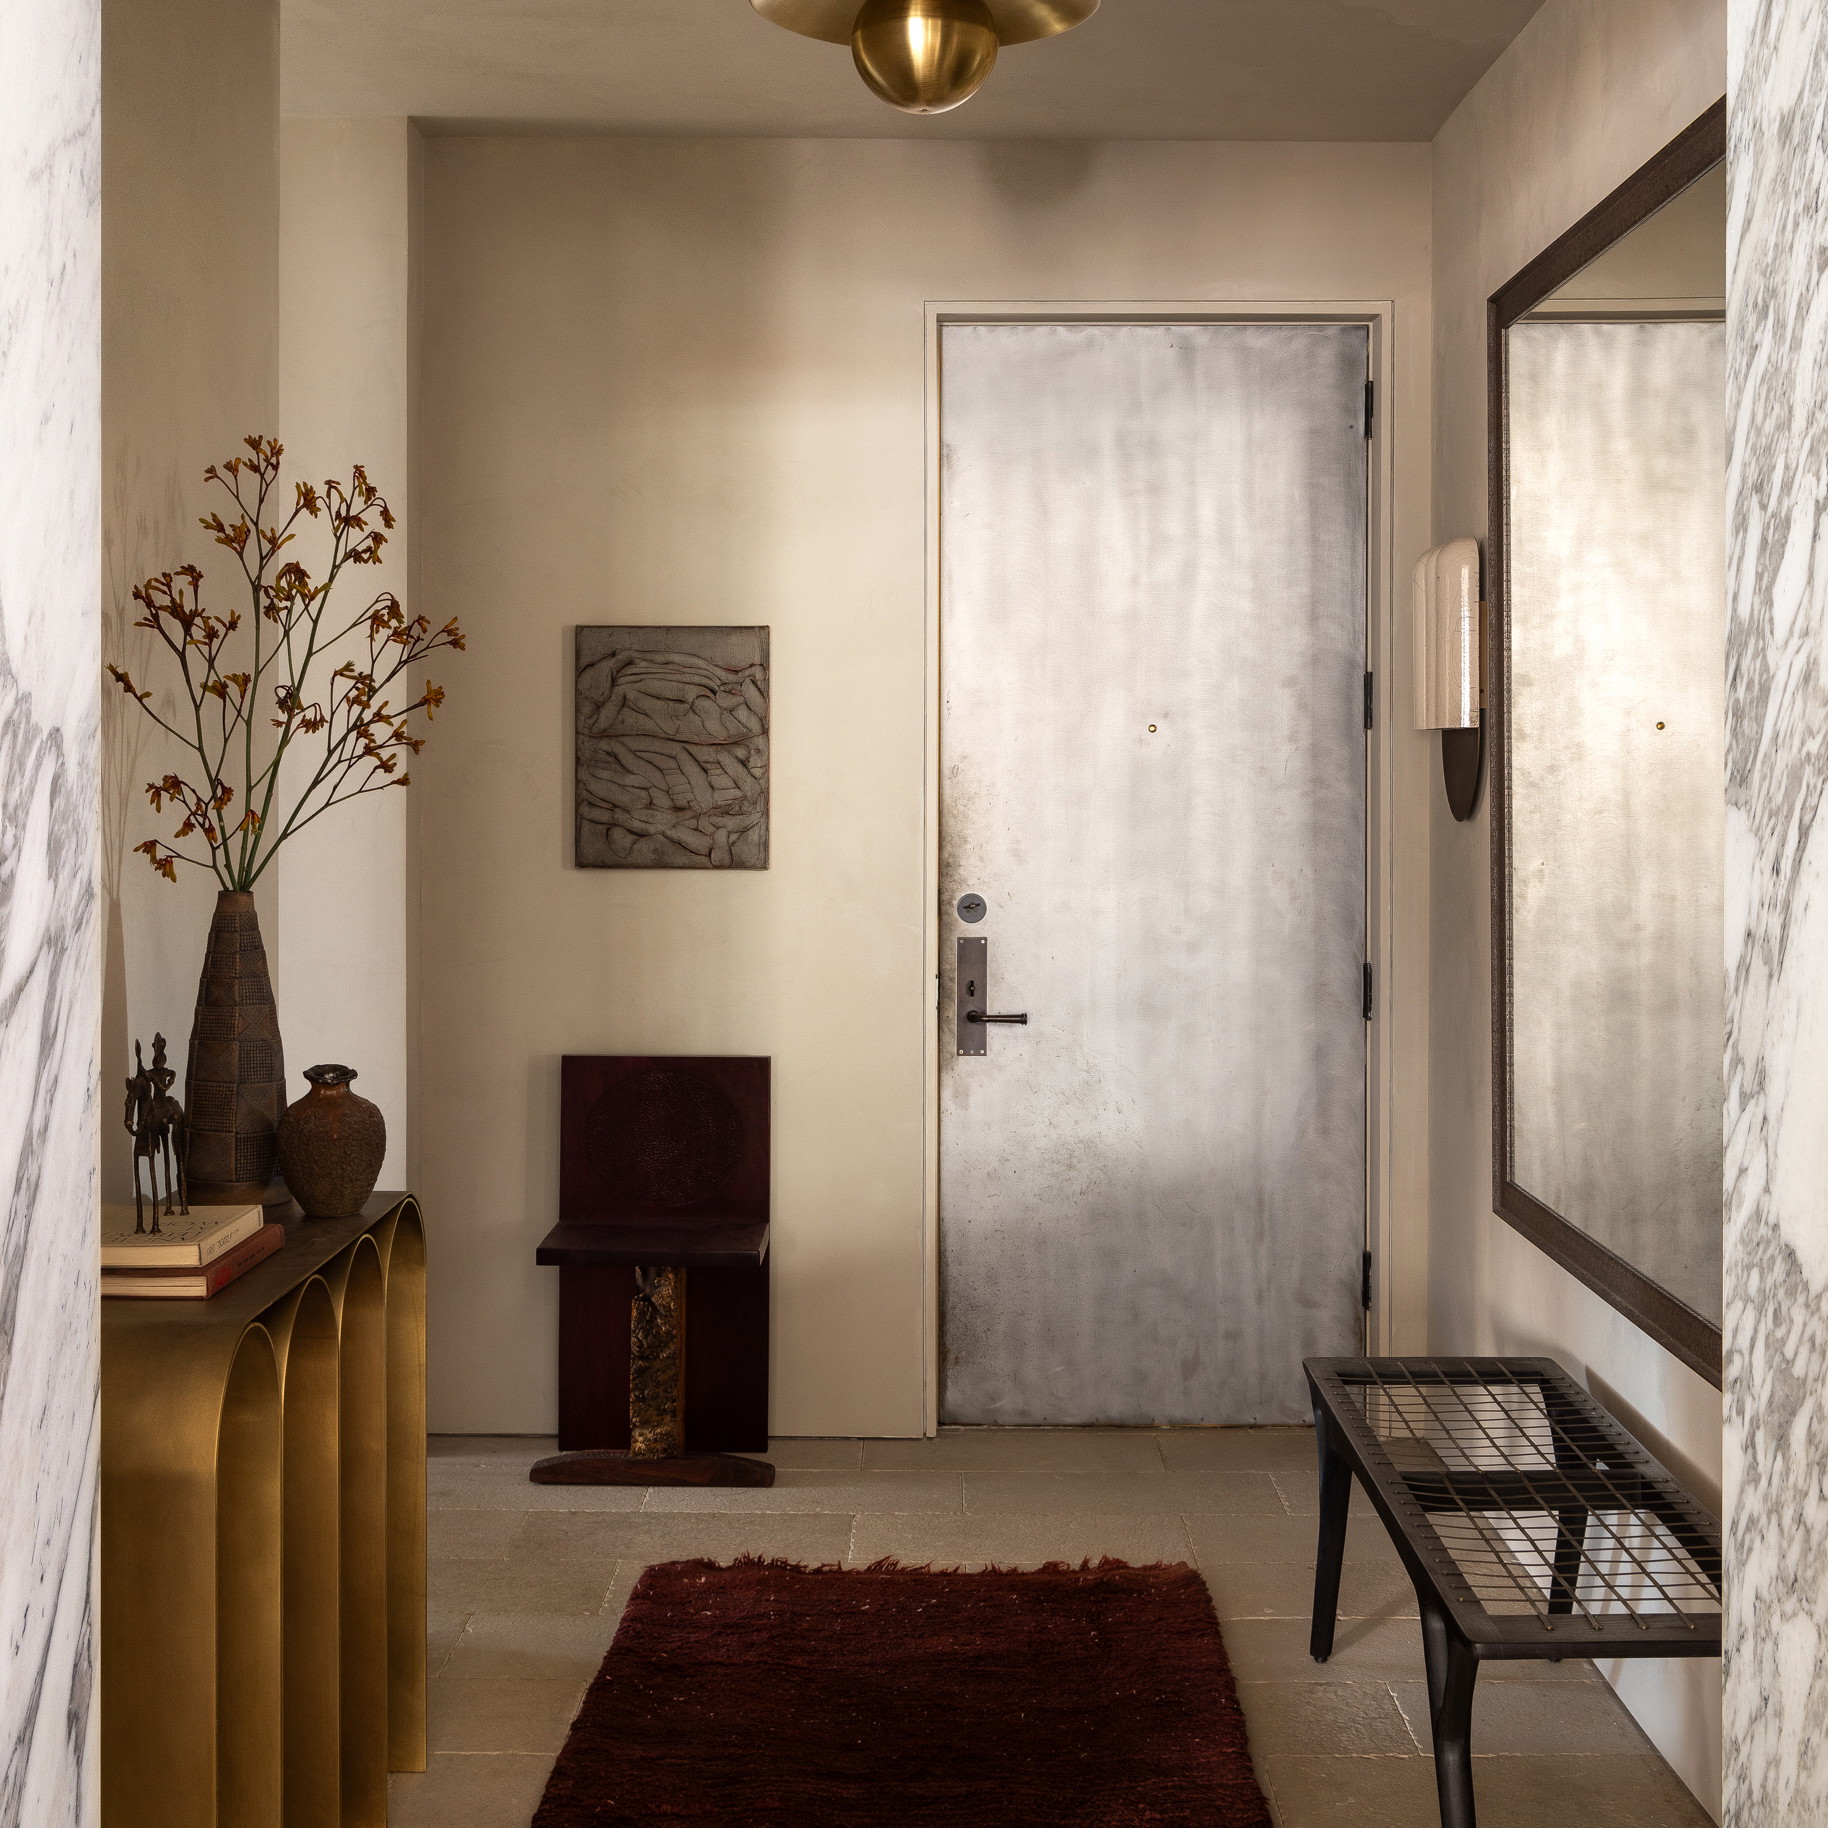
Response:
column 1530, row 1522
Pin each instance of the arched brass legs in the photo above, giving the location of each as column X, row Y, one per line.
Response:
column 363, row 1414
column 263, row 1541
column 308, row 1332
column 248, row 1599
column 403, row 1242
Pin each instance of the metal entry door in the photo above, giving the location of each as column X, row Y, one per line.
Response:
column 1152, row 772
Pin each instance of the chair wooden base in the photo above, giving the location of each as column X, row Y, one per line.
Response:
column 606, row 1466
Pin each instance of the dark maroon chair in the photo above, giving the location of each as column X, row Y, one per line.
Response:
column 662, row 1253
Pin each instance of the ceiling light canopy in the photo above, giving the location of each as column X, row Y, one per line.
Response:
column 925, row 56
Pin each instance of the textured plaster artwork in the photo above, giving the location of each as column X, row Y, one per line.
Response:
column 672, row 748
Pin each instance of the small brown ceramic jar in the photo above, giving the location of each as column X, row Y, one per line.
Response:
column 331, row 1145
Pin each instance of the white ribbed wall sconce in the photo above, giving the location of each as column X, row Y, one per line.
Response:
column 1449, row 666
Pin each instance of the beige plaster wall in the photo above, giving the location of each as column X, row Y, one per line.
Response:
column 190, row 247
column 1589, row 90
column 348, row 198
column 673, row 381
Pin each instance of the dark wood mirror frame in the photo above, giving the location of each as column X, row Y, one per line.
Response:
column 1672, row 1323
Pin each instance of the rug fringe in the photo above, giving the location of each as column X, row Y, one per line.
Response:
column 891, row 1564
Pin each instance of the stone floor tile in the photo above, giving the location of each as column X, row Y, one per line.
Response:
column 1530, row 1718
column 1377, row 1791
column 812, row 1454
column 442, row 1630
column 1285, row 1590
column 522, row 1582
column 1138, row 1493
column 529, row 1647
column 1237, row 1450
column 810, row 1492
column 524, row 1449
column 466, row 1535
column 1560, row 1792
column 598, row 1541
column 1371, row 1590
column 1018, row 1539
column 503, row 1485
column 493, row 1716
column 1583, row 1792
column 1291, row 1539
column 1364, row 1650
column 1531, row 1669
column 1300, row 1489
column 1020, row 1450
column 627, row 1573
column 469, row 1790
column 1343, row 1717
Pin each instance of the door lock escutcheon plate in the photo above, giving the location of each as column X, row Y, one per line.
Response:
column 973, row 993
column 973, row 967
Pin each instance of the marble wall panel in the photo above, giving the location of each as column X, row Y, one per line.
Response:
column 1777, row 918
column 50, row 368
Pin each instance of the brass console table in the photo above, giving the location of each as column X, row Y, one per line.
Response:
column 263, row 1536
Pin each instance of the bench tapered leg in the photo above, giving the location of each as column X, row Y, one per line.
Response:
column 1330, row 1552
column 1452, row 1671
column 1570, row 1543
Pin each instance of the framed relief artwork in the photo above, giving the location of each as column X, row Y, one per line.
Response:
column 672, row 748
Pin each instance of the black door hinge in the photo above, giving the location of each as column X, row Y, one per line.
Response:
column 1370, row 699
column 1370, row 396
column 1367, row 993
column 1364, row 1288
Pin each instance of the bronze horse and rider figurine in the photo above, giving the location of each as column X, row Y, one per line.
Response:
column 155, row 1120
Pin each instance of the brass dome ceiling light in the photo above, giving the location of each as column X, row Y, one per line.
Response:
column 925, row 56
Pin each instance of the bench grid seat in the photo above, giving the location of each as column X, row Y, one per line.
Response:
column 1529, row 1520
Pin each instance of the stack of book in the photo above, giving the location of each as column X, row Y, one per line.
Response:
column 192, row 1255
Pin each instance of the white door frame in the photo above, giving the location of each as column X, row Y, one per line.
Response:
column 1379, row 316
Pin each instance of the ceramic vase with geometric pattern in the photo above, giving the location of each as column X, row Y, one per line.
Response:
column 235, row 1087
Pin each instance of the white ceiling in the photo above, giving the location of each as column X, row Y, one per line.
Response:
column 1138, row 69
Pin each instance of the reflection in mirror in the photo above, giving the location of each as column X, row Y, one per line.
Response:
column 1615, row 623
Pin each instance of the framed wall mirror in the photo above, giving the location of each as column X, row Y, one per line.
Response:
column 1607, row 593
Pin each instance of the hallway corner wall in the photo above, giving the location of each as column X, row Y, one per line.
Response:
column 50, row 387
column 1777, row 939
column 349, row 194
column 190, row 285
column 677, row 381
column 1586, row 93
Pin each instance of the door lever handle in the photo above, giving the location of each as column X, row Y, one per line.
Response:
column 977, row 1015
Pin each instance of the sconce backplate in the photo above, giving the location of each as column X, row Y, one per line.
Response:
column 1462, row 766
column 1017, row 21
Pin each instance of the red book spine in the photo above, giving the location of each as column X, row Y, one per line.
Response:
column 217, row 1275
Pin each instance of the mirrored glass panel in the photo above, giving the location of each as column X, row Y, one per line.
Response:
column 1614, row 728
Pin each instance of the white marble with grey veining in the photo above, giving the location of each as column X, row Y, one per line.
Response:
column 50, row 430
column 1776, row 1726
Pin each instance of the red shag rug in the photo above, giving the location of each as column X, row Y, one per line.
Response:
column 775, row 1696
